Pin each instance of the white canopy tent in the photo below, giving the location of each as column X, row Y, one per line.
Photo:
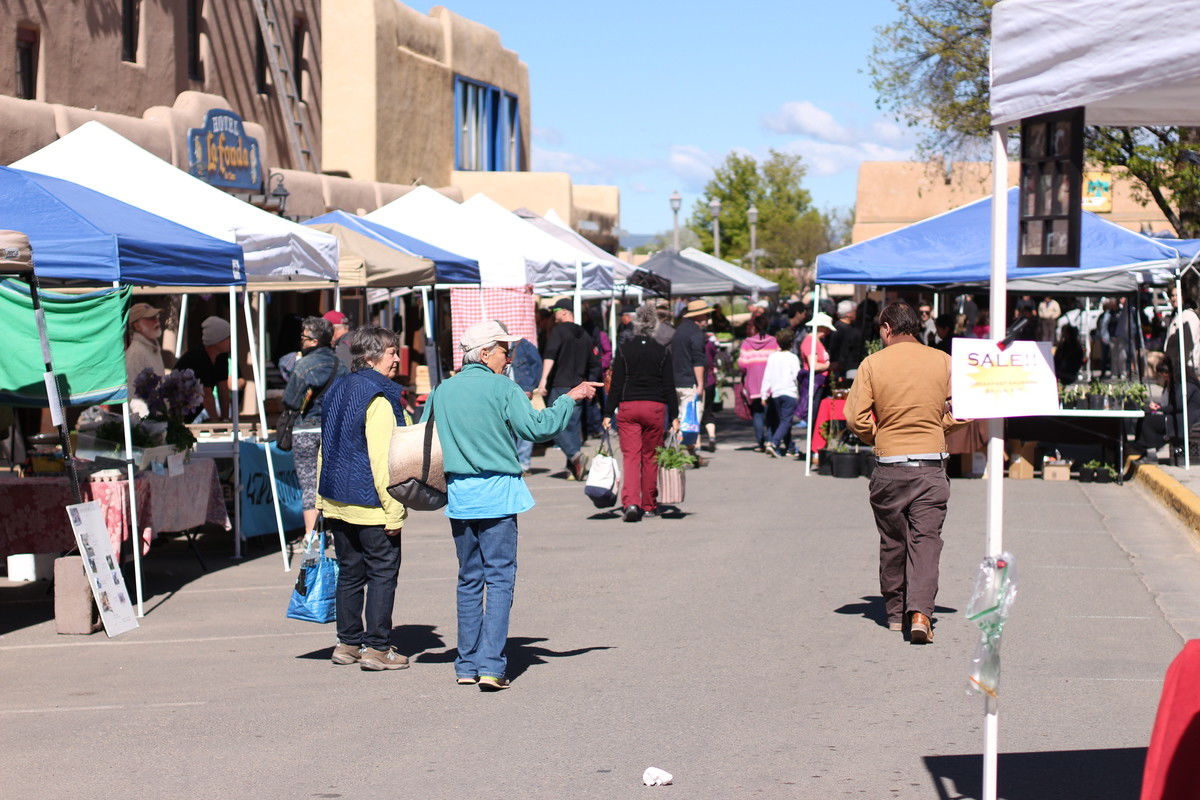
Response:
column 434, row 218
column 97, row 157
column 549, row 263
column 1124, row 68
column 742, row 276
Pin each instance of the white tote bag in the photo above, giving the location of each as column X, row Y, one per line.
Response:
column 604, row 478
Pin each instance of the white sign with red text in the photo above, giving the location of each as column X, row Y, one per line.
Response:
column 987, row 382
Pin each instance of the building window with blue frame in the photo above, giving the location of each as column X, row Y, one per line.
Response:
column 487, row 123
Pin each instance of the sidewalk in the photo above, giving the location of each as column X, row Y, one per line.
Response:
column 1178, row 489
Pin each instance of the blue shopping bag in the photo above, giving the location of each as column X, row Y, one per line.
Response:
column 314, row 598
column 689, row 421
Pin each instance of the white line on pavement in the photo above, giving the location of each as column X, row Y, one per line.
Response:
column 1100, row 616
column 131, row 642
column 51, row 709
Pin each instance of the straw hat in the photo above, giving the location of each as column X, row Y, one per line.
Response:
column 698, row 308
column 821, row 320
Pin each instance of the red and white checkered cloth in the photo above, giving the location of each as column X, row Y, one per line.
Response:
column 513, row 307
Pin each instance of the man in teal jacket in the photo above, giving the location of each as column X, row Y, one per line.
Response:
column 478, row 413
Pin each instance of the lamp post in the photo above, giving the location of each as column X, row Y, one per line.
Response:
column 752, row 218
column 715, row 207
column 279, row 192
column 676, row 202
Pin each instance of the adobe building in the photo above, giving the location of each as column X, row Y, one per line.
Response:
column 892, row 194
column 388, row 97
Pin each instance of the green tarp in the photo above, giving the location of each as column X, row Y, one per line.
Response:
column 86, row 342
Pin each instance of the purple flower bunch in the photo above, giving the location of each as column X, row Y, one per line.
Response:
column 178, row 396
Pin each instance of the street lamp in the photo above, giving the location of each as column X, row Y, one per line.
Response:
column 752, row 218
column 715, row 207
column 676, row 202
column 279, row 192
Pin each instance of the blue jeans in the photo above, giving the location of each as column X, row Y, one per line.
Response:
column 570, row 440
column 524, row 452
column 487, row 557
column 784, row 406
column 368, row 564
column 758, row 416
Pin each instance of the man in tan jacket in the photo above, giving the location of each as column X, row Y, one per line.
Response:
column 900, row 403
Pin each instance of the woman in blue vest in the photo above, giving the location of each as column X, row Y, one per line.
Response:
column 359, row 413
column 477, row 414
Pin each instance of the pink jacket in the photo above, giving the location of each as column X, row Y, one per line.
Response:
column 753, row 360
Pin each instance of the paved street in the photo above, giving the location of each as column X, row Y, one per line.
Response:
column 740, row 648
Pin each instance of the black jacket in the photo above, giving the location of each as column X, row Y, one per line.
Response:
column 642, row 370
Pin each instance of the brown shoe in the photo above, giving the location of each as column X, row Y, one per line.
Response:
column 346, row 654
column 920, row 629
column 375, row 660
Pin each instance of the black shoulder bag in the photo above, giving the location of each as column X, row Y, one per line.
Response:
column 287, row 420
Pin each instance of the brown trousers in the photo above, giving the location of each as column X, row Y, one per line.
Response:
column 910, row 507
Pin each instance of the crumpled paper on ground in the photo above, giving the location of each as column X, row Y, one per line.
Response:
column 653, row 776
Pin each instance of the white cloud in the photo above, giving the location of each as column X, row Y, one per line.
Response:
column 549, row 136
column 806, row 119
column 828, row 158
column 559, row 161
column 693, row 164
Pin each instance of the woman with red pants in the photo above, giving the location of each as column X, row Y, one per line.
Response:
column 644, row 399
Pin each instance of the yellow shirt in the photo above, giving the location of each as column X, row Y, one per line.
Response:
column 379, row 426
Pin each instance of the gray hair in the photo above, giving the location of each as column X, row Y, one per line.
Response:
column 645, row 319
column 369, row 344
column 475, row 354
column 319, row 329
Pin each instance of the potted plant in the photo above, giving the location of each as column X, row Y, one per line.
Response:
column 1087, row 473
column 1096, row 393
column 1137, row 396
column 866, row 461
column 1106, row 474
column 843, row 461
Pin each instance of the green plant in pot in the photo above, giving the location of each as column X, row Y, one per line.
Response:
column 1137, row 396
column 1087, row 473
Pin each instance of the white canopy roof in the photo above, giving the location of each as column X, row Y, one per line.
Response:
column 548, row 262
column 101, row 159
column 434, row 218
column 742, row 276
column 1129, row 62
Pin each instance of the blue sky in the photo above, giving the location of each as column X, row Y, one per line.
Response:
column 651, row 95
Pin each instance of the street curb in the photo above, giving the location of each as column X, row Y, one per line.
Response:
column 1173, row 494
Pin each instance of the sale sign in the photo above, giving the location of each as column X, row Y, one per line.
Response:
column 988, row 381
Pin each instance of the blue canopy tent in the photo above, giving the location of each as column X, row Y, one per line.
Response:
column 450, row 267
column 955, row 248
column 79, row 234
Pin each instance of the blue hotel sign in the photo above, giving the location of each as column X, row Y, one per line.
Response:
column 222, row 154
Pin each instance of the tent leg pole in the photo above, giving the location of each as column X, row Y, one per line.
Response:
column 337, row 297
column 812, row 383
column 1183, row 368
column 262, row 344
column 135, row 538
column 183, row 306
column 578, row 300
column 233, row 411
column 1087, row 336
column 995, row 487
column 266, row 440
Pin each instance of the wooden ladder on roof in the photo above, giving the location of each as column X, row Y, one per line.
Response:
column 282, row 74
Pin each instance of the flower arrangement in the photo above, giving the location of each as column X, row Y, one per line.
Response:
column 173, row 399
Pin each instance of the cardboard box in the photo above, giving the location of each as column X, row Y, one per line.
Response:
column 1020, row 470
column 1056, row 472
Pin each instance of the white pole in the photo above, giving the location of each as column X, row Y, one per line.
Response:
column 578, row 291
column 937, row 304
column 233, row 411
column 1183, row 368
column 265, row 439
column 261, row 389
column 812, row 383
column 995, row 488
column 612, row 320
column 337, row 296
column 183, row 304
column 136, row 539
column 1085, row 327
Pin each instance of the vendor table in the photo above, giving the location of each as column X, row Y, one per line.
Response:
column 1076, row 426
column 36, row 521
column 831, row 408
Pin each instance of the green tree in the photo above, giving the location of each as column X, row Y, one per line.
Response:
column 930, row 70
column 791, row 231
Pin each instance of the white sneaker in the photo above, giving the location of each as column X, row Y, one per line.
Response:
column 769, row 449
